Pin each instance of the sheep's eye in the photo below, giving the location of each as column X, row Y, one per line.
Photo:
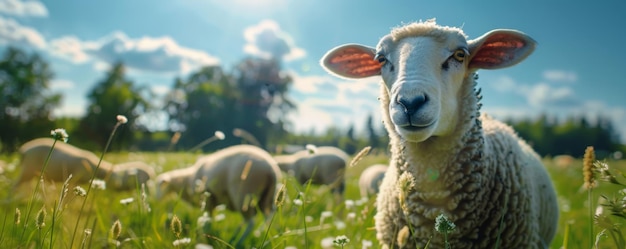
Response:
column 459, row 55
column 381, row 59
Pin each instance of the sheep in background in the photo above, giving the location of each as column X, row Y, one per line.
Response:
column 243, row 177
column 563, row 161
column 325, row 165
column 370, row 179
column 130, row 175
column 67, row 159
column 64, row 160
column 447, row 159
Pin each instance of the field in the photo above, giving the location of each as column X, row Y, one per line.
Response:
column 312, row 222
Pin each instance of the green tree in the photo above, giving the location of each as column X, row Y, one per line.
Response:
column 206, row 102
column 26, row 102
column 112, row 96
column 373, row 137
column 253, row 99
column 263, row 101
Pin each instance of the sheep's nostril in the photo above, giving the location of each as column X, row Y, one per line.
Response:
column 411, row 104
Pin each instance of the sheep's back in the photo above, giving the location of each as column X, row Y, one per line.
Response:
column 371, row 178
column 320, row 168
column 237, row 171
column 528, row 179
column 64, row 159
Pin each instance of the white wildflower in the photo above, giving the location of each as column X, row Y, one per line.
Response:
column 351, row 216
column 59, row 134
column 341, row 240
column 340, row 225
column 122, row 119
column 349, row 204
column 127, row 201
column 297, row 202
column 99, row 184
column 366, row 244
column 327, row 242
column 312, row 149
column 220, row 217
column 78, row 190
column 204, row 219
column 220, row 135
column 181, row 242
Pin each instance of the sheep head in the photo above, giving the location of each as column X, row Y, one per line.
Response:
column 424, row 66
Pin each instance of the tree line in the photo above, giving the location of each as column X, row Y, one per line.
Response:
column 251, row 99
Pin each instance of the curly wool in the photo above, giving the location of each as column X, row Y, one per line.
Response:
column 489, row 175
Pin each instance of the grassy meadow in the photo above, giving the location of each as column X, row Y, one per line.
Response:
column 308, row 218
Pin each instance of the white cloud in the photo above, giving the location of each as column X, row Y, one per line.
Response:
column 543, row 95
column 11, row 32
column 71, row 48
column 161, row 90
column 560, row 76
column 267, row 40
column 61, row 84
column 540, row 94
column 325, row 101
column 157, row 54
column 23, row 8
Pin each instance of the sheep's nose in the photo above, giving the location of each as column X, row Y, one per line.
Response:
column 411, row 104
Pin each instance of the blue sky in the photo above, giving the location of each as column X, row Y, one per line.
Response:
column 577, row 68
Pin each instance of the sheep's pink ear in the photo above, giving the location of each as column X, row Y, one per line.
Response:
column 500, row 48
column 351, row 61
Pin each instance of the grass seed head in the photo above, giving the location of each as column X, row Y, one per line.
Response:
column 588, row 159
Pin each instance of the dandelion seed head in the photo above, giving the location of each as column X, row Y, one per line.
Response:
column 122, row 119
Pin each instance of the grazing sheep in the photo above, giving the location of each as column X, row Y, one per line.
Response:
column 64, row 160
column 67, row 159
column 370, row 179
column 563, row 161
column 243, row 177
column 447, row 159
column 325, row 165
column 131, row 175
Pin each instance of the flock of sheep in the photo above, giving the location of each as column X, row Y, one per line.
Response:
column 446, row 157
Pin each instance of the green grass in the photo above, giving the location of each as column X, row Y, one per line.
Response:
column 150, row 226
